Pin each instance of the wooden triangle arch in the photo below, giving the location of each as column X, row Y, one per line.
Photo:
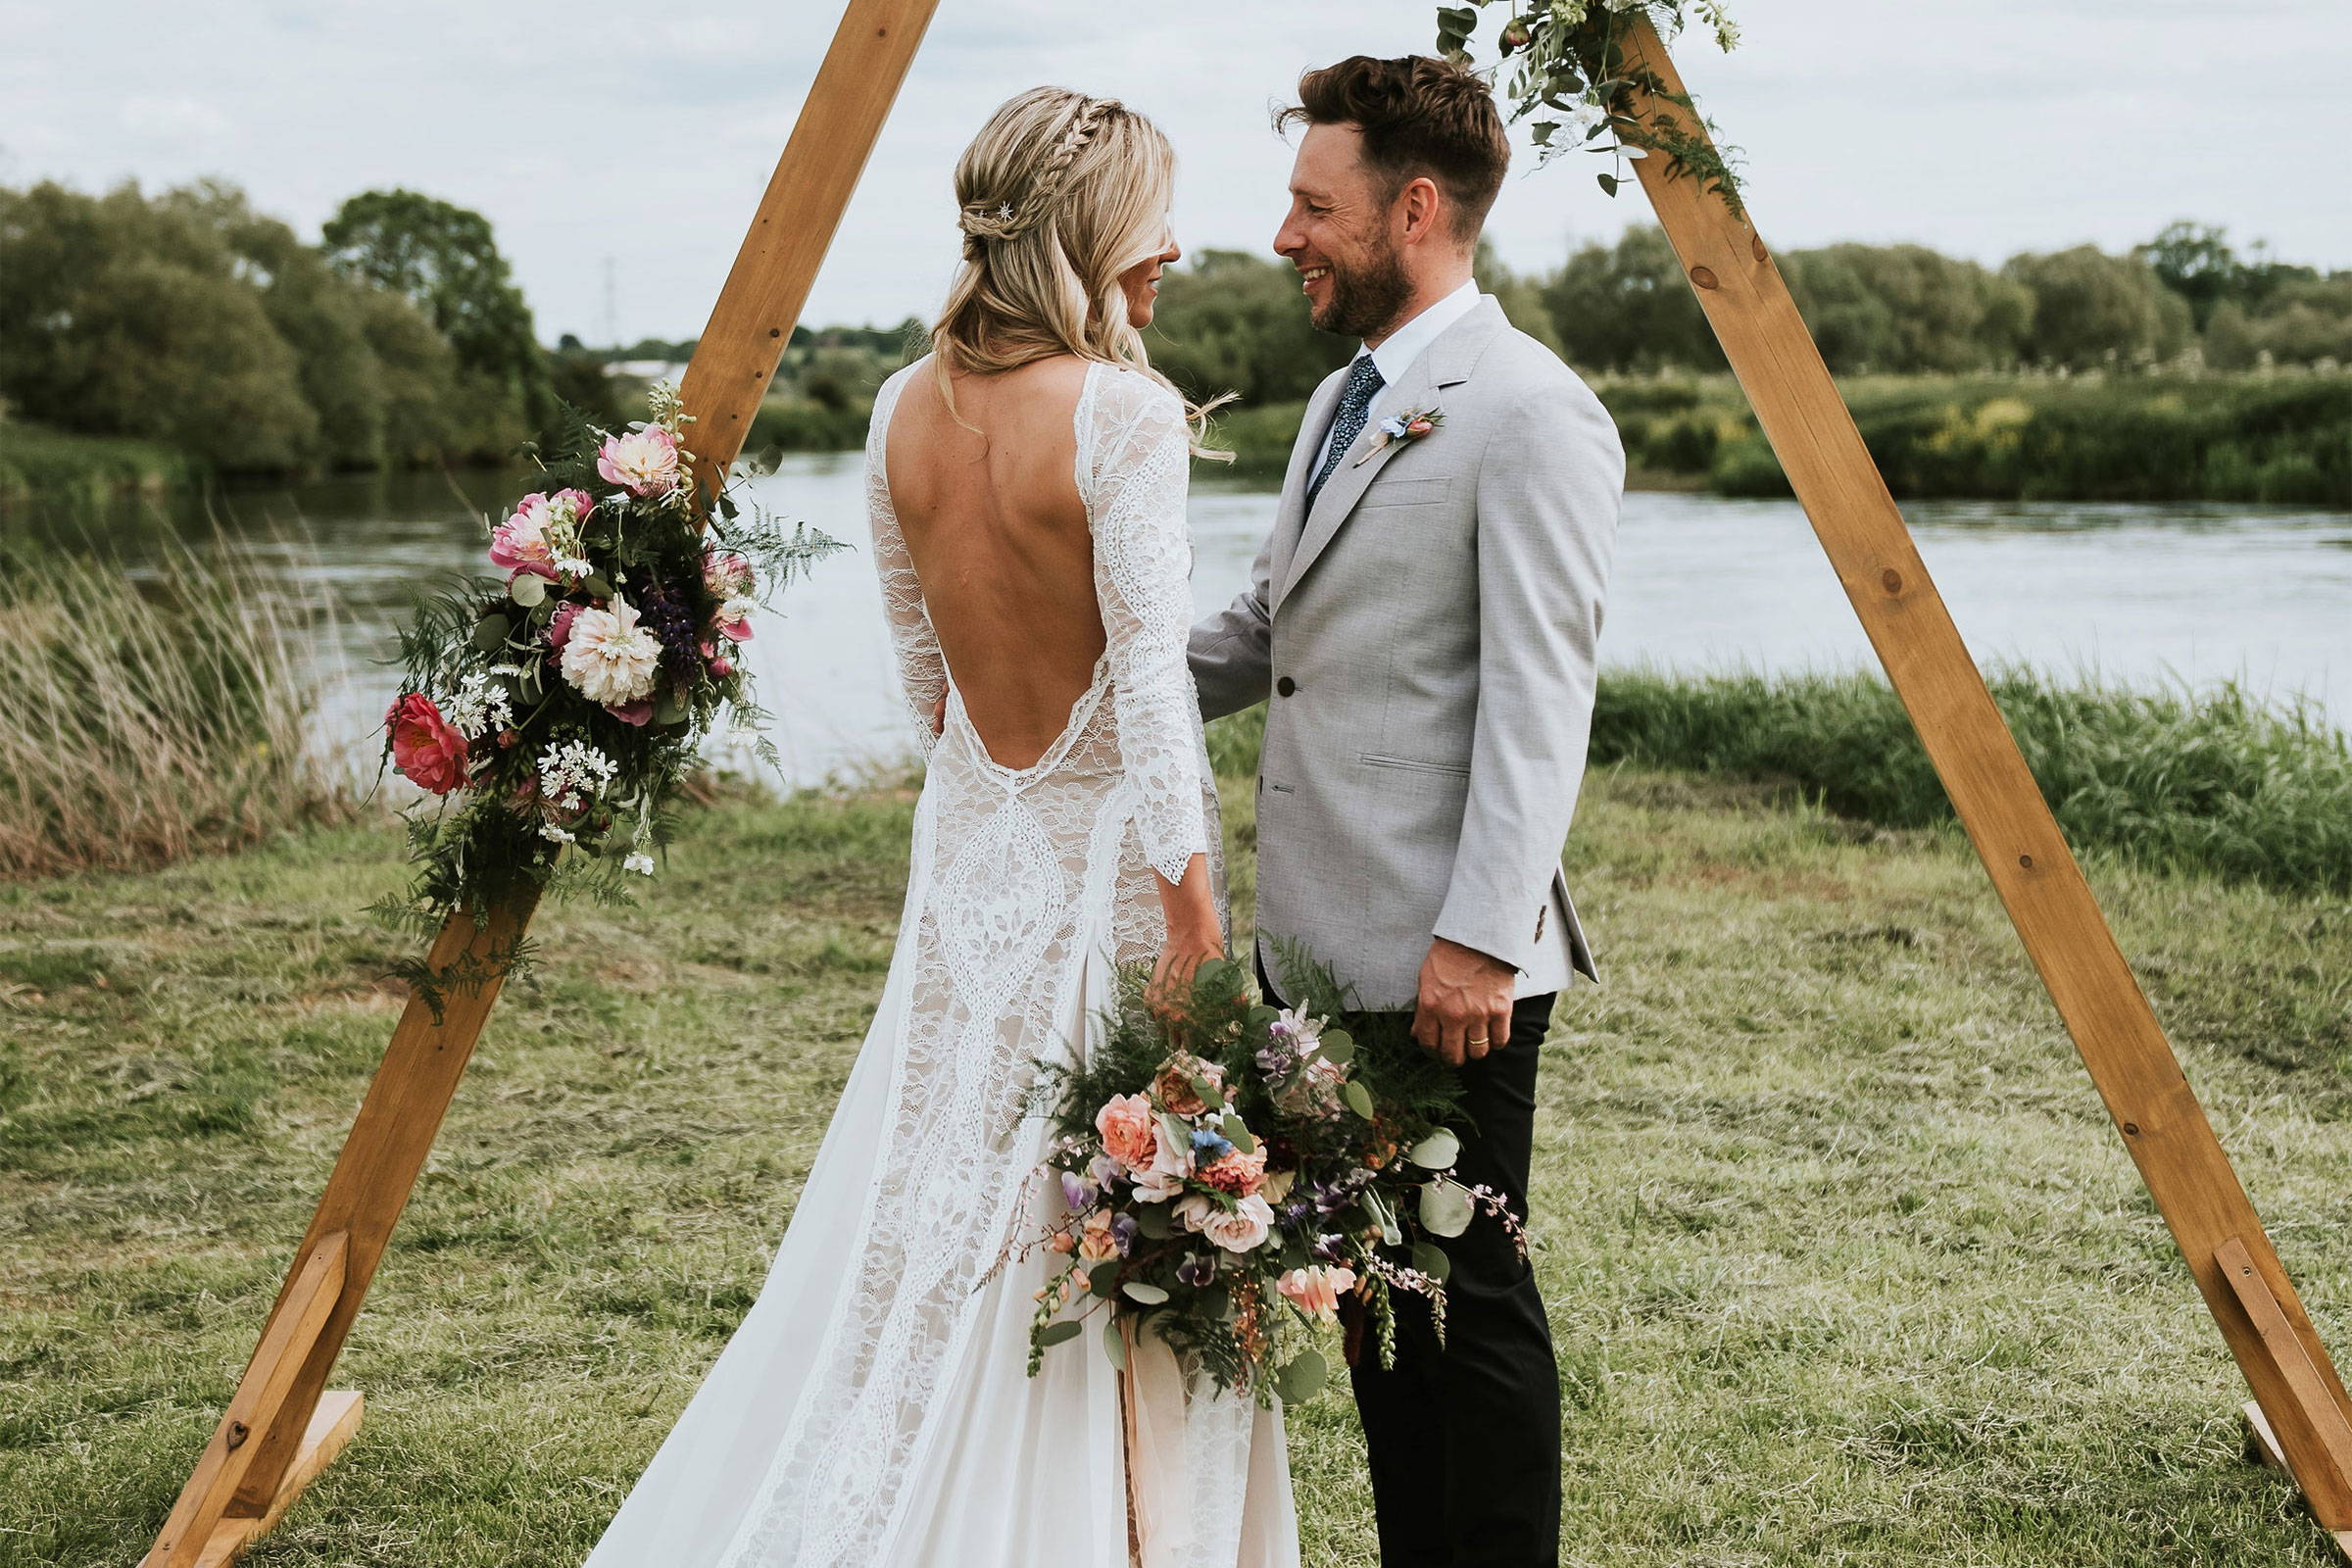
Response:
column 282, row 1426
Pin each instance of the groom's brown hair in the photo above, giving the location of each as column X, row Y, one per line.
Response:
column 1418, row 115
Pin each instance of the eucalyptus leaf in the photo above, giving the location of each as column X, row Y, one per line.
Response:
column 1153, row 1219
column 1056, row 1333
column 1219, row 974
column 1236, row 1133
column 1114, row 1343
column 669, row 709
column 1103, row 1278
column 1360, row 1100
column 1337, row 1046
column 1302, row 1378
column 1446, row 1208
column 1430, row 1260
column 1437, row 1151
column 1262, row 1018
column 1609, row 183
column 1143, row 1292
column 527, row 589
column 490, row 632
column 597, row 585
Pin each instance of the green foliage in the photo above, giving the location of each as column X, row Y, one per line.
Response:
column 2092, row 308
column 1230, row 322
column 1627, row 307
column 1905, row 307
column 2216, row 782
column 188, row 320
column 444, row 260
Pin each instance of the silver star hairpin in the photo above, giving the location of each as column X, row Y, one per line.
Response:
column 1006, row 212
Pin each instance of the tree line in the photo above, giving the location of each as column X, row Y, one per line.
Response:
column 188, row 318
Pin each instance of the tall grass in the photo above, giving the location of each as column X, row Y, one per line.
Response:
column 2215, row 781
column 151, row 718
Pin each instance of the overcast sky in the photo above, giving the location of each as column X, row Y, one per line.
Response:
column 591, row 132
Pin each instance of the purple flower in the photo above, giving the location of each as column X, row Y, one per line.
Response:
column 1104, row 1170
column 1078, row 1192
column 1123, row 1230
column 1197, row 1272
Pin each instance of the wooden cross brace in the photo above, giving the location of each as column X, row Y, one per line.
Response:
column 281, row 1426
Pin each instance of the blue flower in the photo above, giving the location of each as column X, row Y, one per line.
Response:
column 1208, row 1145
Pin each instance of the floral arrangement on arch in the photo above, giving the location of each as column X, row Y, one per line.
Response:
column 551, row 713
column 1233, row 1178
column 1571, row 69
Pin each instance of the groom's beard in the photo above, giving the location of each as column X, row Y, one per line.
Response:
column 1365, row 302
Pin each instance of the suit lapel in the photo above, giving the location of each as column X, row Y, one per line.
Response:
column 1290, row 512
column 1446, row 361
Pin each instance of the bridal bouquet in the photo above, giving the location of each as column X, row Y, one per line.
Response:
column 1233, row 1173
column 561, row 703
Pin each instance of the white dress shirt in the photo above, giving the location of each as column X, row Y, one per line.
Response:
column 1400, row 348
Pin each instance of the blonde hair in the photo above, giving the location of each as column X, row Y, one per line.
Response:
column 1060, row 193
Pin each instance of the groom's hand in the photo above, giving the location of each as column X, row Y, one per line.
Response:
column 1465, row 1005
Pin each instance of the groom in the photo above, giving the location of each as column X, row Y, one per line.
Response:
column 1422, row 624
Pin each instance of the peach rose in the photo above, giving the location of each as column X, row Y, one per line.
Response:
column 1130, row 1136
column 1246, row 1225
column 1174, row 1085
column 644, row 463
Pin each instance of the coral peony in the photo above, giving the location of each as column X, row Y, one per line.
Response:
column 611, row 659
column 644, row 463
column 1233, row 1173
column 424, row 748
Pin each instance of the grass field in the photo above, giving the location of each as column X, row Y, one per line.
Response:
column 1844, row 1263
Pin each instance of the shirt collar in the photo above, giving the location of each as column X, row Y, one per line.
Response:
column 1400, row 348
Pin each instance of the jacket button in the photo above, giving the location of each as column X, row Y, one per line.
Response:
column 1285, row 686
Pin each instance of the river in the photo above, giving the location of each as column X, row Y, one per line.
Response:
column 2139, row 594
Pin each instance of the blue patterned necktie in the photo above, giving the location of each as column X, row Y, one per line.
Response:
column 1355, row 403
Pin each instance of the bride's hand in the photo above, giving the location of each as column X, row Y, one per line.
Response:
column 1193, row 937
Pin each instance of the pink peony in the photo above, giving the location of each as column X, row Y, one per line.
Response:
column 609, row 658
column 729, row 579
column 1129, row 1134
column 1233, row 1173
column 644, row 463
column 543, row 532
column 559, row 629
column 424, row 748
column 1316, row 1290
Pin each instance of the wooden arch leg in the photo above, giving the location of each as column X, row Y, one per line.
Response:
column 1998, row 803
column 283, row 1427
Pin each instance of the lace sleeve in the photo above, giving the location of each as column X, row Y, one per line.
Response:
column 922, row 669
column 1132, row 472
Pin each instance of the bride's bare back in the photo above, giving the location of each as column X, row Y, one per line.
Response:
column 998, row 533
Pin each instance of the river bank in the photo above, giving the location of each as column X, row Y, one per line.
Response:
column 1843, row 1261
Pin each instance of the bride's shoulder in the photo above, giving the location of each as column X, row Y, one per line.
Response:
column 1123, row 393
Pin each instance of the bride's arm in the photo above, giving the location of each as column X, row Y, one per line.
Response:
column 1137, row 474
column 923, row 668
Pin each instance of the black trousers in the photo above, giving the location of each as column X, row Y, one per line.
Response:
column 1464, row 1439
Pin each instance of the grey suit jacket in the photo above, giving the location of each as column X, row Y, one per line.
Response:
column 1425, row 636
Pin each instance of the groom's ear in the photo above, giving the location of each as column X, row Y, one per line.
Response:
column 1421, row 205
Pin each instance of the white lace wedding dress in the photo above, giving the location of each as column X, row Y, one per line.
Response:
column 873, row 1410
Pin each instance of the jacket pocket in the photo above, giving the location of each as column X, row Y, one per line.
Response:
column 1413, row 766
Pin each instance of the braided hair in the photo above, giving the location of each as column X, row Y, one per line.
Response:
column 1057, row 196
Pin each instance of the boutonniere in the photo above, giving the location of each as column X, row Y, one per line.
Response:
column 1409, row 425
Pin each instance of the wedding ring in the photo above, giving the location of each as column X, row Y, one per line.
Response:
column 1476, row 1040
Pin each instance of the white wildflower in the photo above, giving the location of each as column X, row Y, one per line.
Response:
column 640, row 862
column 478, row 708
column 571, row 773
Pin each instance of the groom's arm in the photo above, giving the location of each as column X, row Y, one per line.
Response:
column 1233, row 651
column 1549, row 485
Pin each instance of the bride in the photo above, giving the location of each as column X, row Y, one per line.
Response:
column 1026, row 488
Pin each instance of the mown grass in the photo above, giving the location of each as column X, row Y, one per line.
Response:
column 152, row 716
column 2215, row 781
column 1844, row 1263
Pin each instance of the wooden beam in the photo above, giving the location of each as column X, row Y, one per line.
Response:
column 289, row 1434
column 2121, row 1042
column 752, row 323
